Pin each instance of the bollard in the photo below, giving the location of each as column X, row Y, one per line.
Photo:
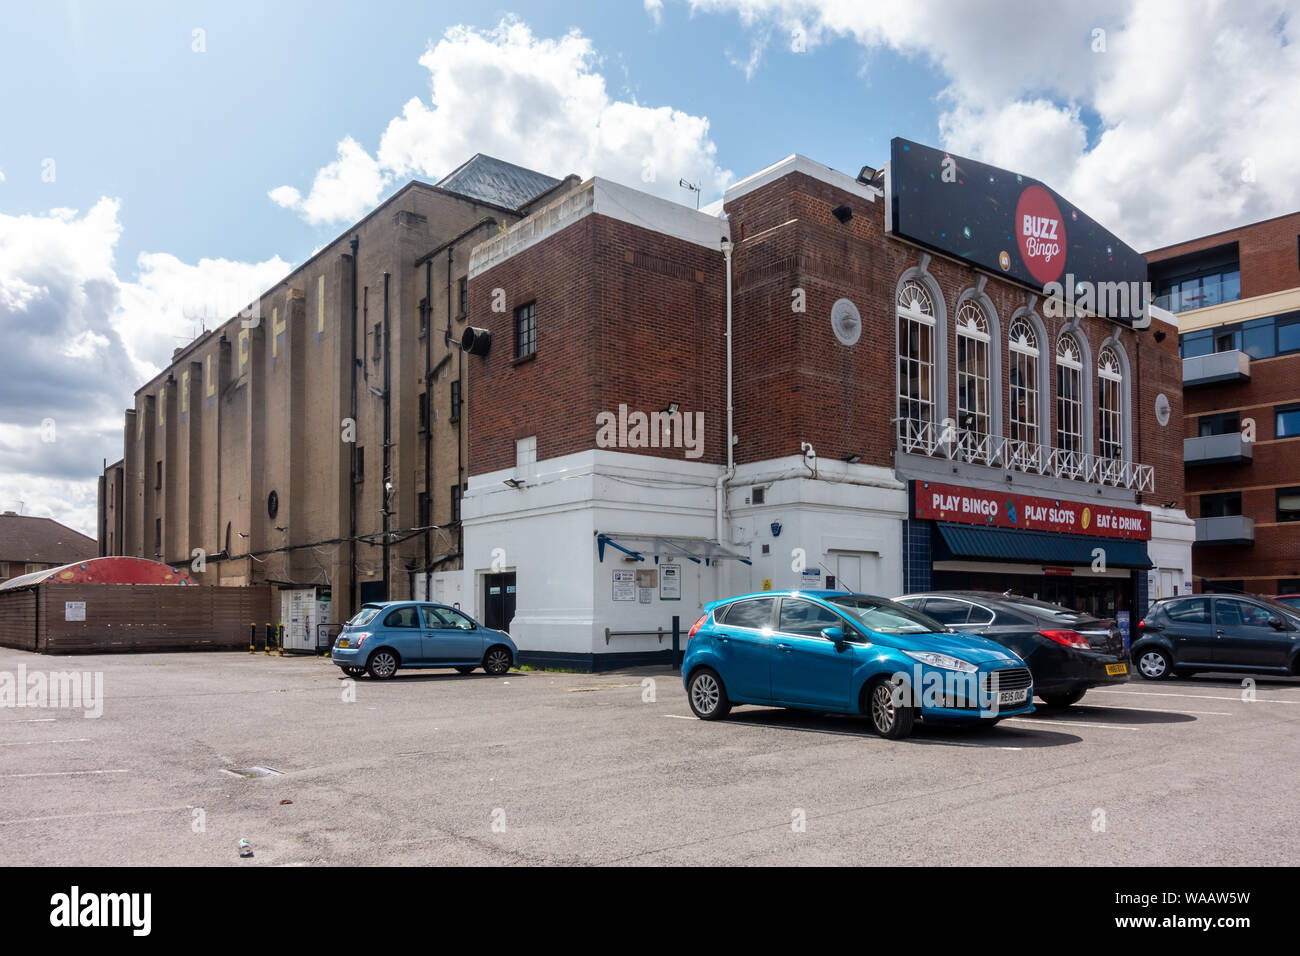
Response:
column 267, row 646
column 677, row 643
column 252, row 636
column 279, row 641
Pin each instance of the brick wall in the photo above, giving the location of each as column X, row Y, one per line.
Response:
column 1267, row 252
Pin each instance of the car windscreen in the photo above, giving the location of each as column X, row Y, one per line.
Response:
column 363, row 617
column 886, row 617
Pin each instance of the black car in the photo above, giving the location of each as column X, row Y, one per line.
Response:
column 1067, row 652
column 1217, row 632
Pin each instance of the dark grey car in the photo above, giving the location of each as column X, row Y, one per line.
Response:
column 1217, row 632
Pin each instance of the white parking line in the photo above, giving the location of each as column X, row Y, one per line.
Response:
column 28, row 743
column 1156, row 693
column 31, row 720
column 58, row 773
column 95, row 813
column 679, row 716
column 1071, row 723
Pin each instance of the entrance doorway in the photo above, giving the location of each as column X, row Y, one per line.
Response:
column 499, row 600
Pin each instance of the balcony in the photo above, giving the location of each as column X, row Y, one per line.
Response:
column 1227, row 449
column 1227, row 529
column 1012, row 455
column 1231, row 366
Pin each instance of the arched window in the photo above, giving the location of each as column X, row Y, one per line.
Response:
column 973, row 405
column 915, row 360
column 1023, row 379
column 1069, row 396
column 1110, row 418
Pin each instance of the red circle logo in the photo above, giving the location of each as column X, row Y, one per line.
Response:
column 1040, row 233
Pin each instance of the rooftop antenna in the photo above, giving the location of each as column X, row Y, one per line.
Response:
column 693, row 188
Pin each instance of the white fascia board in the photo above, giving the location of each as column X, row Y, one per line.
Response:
column 794, row 163
column 609, row 199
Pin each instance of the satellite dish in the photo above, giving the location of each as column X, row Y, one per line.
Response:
column 846, row 323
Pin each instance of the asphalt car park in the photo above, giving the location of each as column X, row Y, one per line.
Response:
column 434, row 767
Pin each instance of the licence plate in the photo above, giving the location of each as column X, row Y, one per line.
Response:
column 1012, row 696
column 1116, row 668
column 344, row 643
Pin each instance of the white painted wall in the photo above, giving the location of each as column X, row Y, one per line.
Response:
column 1170, row 549
column 547, row 531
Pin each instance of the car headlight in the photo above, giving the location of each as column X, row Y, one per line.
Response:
column 942, row 661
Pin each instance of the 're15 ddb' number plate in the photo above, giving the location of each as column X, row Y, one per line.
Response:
column 1113, row 669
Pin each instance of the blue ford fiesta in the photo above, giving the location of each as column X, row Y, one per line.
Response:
column 380, row 638
column 848, row 653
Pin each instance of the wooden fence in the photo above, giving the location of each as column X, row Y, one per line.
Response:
column 131, row 617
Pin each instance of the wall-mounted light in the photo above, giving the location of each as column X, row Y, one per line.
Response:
column 673, row 408
column 842, row 213
column 514, row 482
column 853, row 459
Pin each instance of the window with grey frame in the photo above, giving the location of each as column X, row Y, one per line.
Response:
column 1110, row 402
column 974, row 406
column 916, row 325
column 526, row 330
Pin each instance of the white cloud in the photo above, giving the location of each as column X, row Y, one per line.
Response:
column 1186, row 97
column 78, row 340
column 656, row 10
column 548, row 108
column 2, row 175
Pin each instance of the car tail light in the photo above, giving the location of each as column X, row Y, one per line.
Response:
column 695, row 627
column 1068, row 638
column 359, row 639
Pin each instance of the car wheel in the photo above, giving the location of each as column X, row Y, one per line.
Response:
column 383, row 664
column 1154, row 664
column 706, row 695
column 497, row 660
column 888, row 717
column 465, row 670
column 1068, row 699
column 353, row 671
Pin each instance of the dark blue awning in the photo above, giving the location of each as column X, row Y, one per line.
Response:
column 957, row 541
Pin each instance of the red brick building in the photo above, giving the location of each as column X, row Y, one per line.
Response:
column 619, row 339
column 1237, row 296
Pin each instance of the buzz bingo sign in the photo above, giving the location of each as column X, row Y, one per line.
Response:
column 992, row 509
column 1004, row 223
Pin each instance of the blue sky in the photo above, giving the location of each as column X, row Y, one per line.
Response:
column 186, row 182
column 192, row 142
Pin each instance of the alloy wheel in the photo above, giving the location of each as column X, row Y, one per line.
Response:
column 383, row 664
column 882, row 708
column 705, row 694
column 498, row 661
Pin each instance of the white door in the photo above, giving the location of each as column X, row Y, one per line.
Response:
column 848, row 572
column 1166, row 585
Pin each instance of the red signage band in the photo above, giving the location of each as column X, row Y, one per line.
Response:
column 1007, row 509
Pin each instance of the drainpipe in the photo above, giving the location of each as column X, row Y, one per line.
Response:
column 352, row 449
column 460, row 426
column 428, row 424
column 721, row 491
column 388, row 478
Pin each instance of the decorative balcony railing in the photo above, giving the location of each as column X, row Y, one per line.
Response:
column 1013, row 455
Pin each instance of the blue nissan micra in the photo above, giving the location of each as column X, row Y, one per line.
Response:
column 848, row 653
column 380, row 638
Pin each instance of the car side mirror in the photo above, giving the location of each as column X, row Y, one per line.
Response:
column 833, row 634
column 1280, row 625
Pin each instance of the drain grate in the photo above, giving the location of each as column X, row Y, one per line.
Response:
column 249, row 773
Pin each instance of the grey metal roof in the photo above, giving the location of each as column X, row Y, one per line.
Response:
column 496, row 181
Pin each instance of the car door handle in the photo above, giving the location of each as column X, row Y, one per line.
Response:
column 722, row 638
column 784, row 647
column 1219, row 633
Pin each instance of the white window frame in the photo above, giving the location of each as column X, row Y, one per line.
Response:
column 1022, row 379
column 1110, row 404
column 974, row 387
column 1069, row 401
column 915, row 311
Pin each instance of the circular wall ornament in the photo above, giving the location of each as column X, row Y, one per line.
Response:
column 846, row 323
column 1162, row 409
